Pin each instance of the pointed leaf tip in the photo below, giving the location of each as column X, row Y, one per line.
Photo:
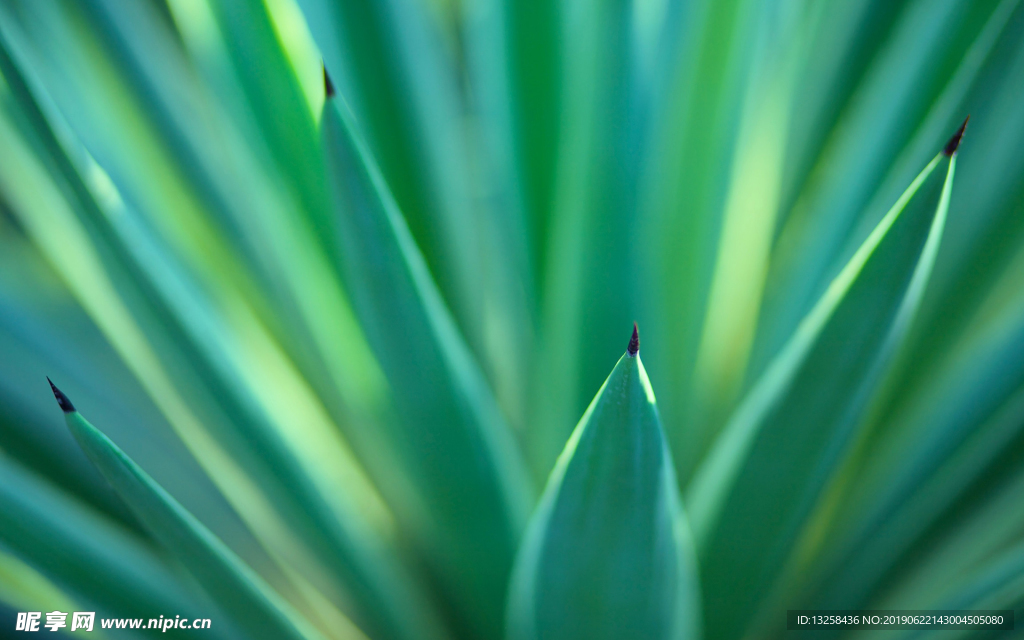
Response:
column 607, row 554
column 634, row 343
column 328, row 85
column 954, row 142
column 62, row 400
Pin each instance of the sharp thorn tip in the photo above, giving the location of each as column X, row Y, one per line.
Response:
column 634, row 343
column 328, row 85
column 954, row 142
column 62, row 400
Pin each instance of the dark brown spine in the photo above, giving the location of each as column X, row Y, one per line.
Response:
column 634, row 343
column 328, row 85
column 954, row 142
column 62, row 400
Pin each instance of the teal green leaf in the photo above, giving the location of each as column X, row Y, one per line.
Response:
column 753, row 493
column 915, row 73
column 532, row 59
column 453, row 442
column 975, row 562
column 239, row 591
column 274, row 94
column 85, row 553
column 611, row 63
column 509, row 257
column 338, row 540
column 451, row 176
column 608, row 552
column 948, row 438
column 688, row 166
column 391, row 65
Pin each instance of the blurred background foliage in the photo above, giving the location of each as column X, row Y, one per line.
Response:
column 327, row 391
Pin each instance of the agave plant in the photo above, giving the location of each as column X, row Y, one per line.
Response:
column 324, row 288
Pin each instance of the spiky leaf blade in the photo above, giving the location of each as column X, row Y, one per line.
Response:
column 383, row 599
column 454, row 442
column 608, row 552
column 239, row 591
column 754, row 491
column 87, row 555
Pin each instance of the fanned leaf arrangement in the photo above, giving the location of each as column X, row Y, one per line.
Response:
column 337, row 278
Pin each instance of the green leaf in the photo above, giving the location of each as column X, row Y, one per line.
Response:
column 608, row 551
column 612, row 60
column 242, row 594
column 450, row 174
column 752, row 495
column 999, row 584
column 914, row 73
column 21, row 587
column 985, row 222
column 745, row 211
column 685, row 183
column 971, row 561
column 274, row 94
column 85, row 553
column 309, row 525
column 530, row 55
column 454, row 443
column 929, row 456
column 508, row 260
column 391, row 65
